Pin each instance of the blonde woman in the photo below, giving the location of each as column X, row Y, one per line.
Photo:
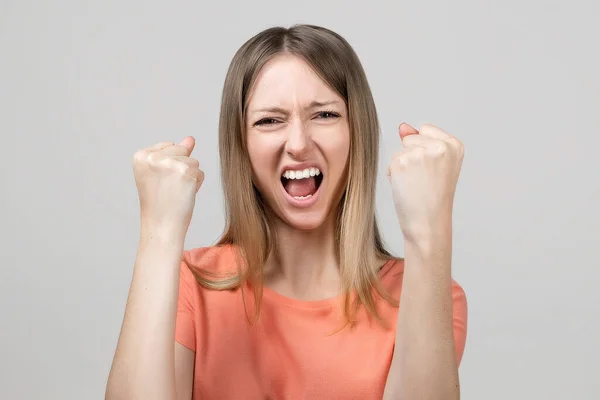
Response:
column 299, row 299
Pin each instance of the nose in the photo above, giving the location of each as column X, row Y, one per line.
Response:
column 298, row 143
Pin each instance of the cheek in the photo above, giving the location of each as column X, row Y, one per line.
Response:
column 262, row 158
column 338, row 148
column 258, row 149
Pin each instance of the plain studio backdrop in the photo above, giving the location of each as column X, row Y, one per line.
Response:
column 84, row 84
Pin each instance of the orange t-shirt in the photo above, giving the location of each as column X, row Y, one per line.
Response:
column 292, row 352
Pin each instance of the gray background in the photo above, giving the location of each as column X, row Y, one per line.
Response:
column 86, row 83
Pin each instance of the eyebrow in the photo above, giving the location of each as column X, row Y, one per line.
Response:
column 311, row 105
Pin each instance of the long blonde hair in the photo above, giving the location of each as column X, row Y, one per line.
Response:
column 248, row 227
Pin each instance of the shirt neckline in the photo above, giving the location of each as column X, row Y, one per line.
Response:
column 279, row 298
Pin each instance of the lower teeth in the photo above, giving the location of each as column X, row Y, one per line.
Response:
column 303, row 197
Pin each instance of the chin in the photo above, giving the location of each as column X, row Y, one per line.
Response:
column 304, row 221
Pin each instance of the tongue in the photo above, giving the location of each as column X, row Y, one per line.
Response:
column 301, row 187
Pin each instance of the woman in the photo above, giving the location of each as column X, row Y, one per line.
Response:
column 299, row 299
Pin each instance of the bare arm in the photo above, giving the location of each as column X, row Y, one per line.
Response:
column 144, row 362
column 424, row 175
column 148, row 364
column 424, row 364
column 184, row 371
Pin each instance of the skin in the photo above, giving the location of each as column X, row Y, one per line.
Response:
column 423, row 176
column 298, row 132
column 149, row 364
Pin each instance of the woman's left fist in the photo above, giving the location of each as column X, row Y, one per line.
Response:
column 424, row 175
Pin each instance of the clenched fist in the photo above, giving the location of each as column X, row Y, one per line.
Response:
column 167, row 179
column 424, row 175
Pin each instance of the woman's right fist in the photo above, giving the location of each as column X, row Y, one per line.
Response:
column 167, row 179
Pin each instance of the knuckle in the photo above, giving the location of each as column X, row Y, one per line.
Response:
column 461, row 152
column 438, row 148
column 140, row 156
column 418, row 153
column 399, row 161
column 455, row 142
column 181, row 167
column 195, row 163
column 456, row 146
column 426, row 128
column 175, row 169
column 394, row 166
column 188, row 171
column 153, row 158
column 165, row 164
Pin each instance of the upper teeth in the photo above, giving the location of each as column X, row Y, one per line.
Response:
column 303, row 173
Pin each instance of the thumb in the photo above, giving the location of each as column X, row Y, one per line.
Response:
column 405, row 130
column 189, row 143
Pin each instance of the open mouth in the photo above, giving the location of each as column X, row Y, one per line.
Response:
column 302, row 184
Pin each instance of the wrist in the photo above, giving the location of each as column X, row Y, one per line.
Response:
column 427, row 233
column 429, row 257
column 428, row 248
column 162, row 235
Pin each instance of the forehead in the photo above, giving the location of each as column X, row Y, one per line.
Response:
column 287, row 80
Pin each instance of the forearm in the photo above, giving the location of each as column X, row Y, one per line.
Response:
column 424, row 362
column 143, row 367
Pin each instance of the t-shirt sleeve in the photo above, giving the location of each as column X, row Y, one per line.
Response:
column 185, row 327
column 459, row 306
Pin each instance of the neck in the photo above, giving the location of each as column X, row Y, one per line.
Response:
column 305, row 265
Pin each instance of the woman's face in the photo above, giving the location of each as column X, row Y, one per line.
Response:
column 298, row 140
